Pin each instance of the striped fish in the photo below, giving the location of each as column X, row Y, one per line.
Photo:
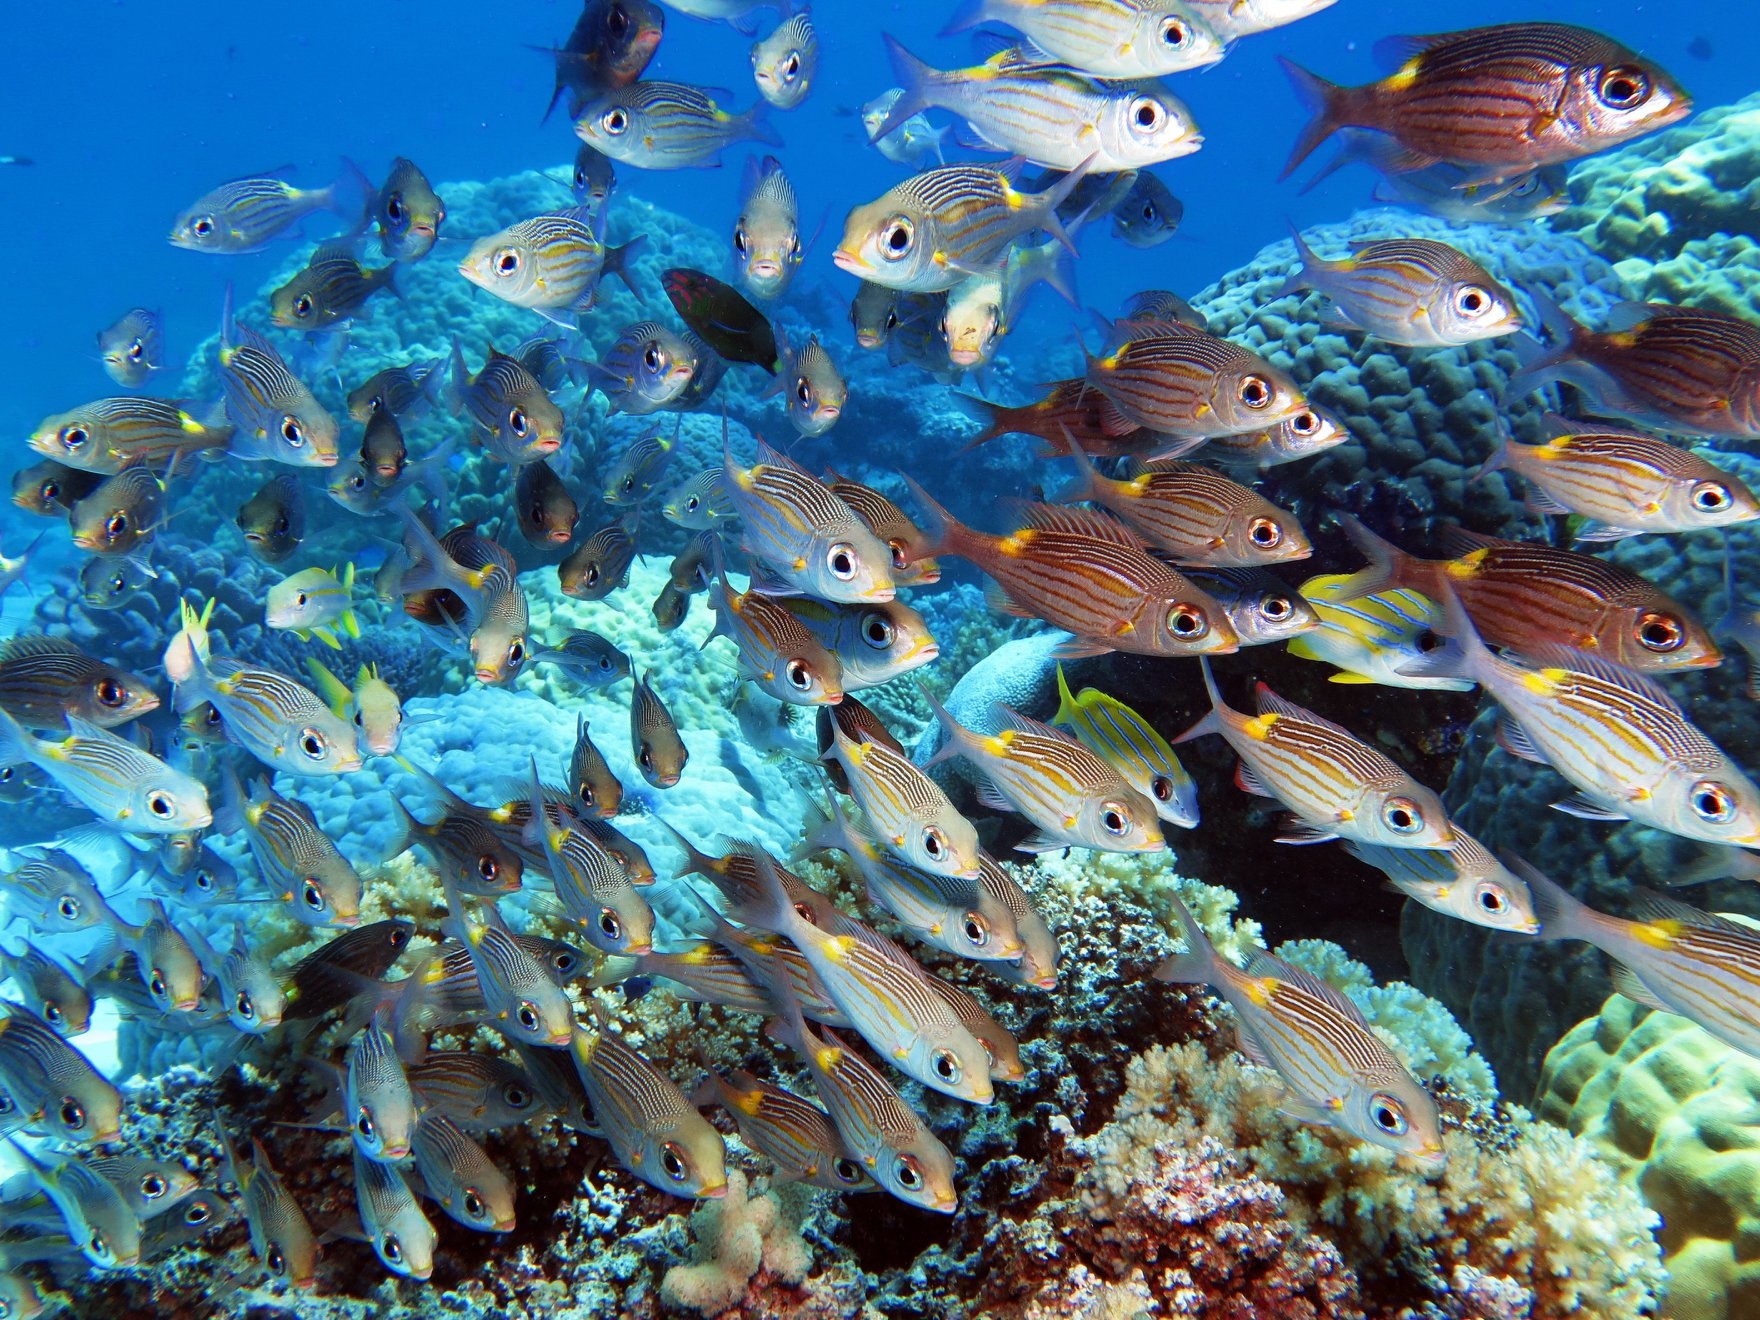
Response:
column 55, row 894
column 873, row 644
column 277, row 418
column 119, row 517
column 1195, row 514
column 1231, row 20
column 467, row 852
column 593, row 181
column 1053, row 114
column 101, row 1223
column 1147, row 216
column 707, row 972
column 596, row 790
column 1072, row 796
column 53, row 1084
column 795, row 1135
column 406, row 392
column 659, row 750
column 1336, row 1071
column 600, row 564
column 877, row 1127
column 108, row 435
column 49, row 990
column 392, row 1219
column 908, row 810
column 459, row 1175
column 1463, row 881
column 1673, row 956
column 936, row 228
column 378, row 1105
column 1411, row 291
column 766, row 236
column 656, row 125
column 1108, row 38
column 1126, row 741
column 253, row 996
column 1072, row 413
column 771, row 963
column 701, row 502
column 635, row 475
column 281, row 1237
column 808, row 536
column 910, row 566
column 1156, row 305
column 517, row 421
column 243, row 215
column 1626, row 484
column 122, row 785
column 1335, row 785
column 1373, row 639
column 883, row 992
column 550, row 264
column 43, row 680
column 408, row 212
column 815, row 389
column 149, row 1186
column 1037, row 965
column 1499, row 100
column 518, row 991
column 647, row 368
column 653, row 1130
column 476, row 1091
column 49, row 489
column 783, row 63
column 329, row 291
column 1089, row 574
column 331, row 974
column 1261, row 607
column 1000, row 1046
column 297, row 860
column 1520, row 594
column 1304, row 433
column 133, row 348
column 1623, row 743
column 1189, row 385
column 593, row 888
column 165, row 960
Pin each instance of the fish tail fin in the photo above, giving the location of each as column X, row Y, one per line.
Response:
column 696, row 861
column 981, row 411
column 1388, row 567
column 617, row 260
column 228, row 326
column 351, row 197
column 771, row 909
column 914, row 77
column 1212, row 721
column 1055, row 196
column 967, row 16
column 453, row 390
column 403, row 829
column 1320, row 98
column 1197, row 965
column 186, row 655
column 1541, row 363
column 758, row 126
column 1087, row 476
column 957, row 733
column 1306, row 264
column 1561, row 915
column 945, row 533
column 14, row 741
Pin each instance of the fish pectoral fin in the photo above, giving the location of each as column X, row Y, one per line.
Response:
column 992, row 797
column 1513, row 738
column 1301, row 832
column 1040, row 842
column 1309, row 1111
column 1345, row 676
column 1626, row 982
column 1584, row 808
column 1248, row 781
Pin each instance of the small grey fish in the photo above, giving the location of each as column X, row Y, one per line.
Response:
column 1262, row 608
column 1148, row 214
column 407, row 392
column 395, row 1226
column 329, row 291
column 667, row 126
column 783, row 63
column 701, row 502
column 766, row 236
column 408, row 211
column 549, row 362
column 459, row 1174
column 105, row 584
column 658, row 749
column 600, row 564
column 277, row 417
column 384, row 452
column 55, row 894
column 54, row 1084
column 543, row 507
column 592, row 885
column 814, row 388
column 273, row 520
column 647, row 367
column 594, row 179
column 121, row 515
column 636, row 474
column 243, row 215
column 281, row 1237
column 43, row 680
column 586, row 656
column 133, row 348
column 596, row 789
column 508, row 405
column 873, row 314
column 50, row 990
column 98, row 1218
column 49, row 489
column 378, row 1105
column 150, row 1186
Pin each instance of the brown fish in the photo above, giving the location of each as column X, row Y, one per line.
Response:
column 547, row 512
column 383, row 452
column 911, row 566
column 50, row 488
column 1189, row 385
column 659, row 751
column 274, row 519
column 599, row 565
column 1073, row 412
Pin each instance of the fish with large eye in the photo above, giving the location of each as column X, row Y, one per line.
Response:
column 784, row 63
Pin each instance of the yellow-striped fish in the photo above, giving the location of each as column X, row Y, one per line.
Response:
column 308, row 603
column 815, row 389
column 911, row 566
column 281, row 1237
column 1335, row 785
column 100, row 1222
column 1373, row 639
column 460, row 1177
column 108, row 435
column 1338, row 1073
column 1303, row 434
column 1072, row 796
column 701, row 502
column 1108, row 38
column 795, row 1135
column 371, row 706
column 593, row 888
column 53, row 1084
column 242, row 215
column 1126, row 741
column 392, row 1219
column 911, row 814
column 518, row 990
column 1231, row 20
column 655, row 125
column 767, row 236
column 549, row 264
column 797, row 527
column 378, row 1105
column 297, row 860
column 1411, row 291
column 647, row 368
column 1191, row 386
column 777, row 651
column 278, row 419
column 43, row 680
column 633, row 477
column 1463, row 881
column 122, row 785
column 517, row 420
column 119, row 517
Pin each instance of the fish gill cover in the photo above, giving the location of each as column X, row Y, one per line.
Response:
column 542, row 775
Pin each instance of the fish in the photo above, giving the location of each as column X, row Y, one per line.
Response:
column 1189, row 385
column 872, row 644
column 105, row 584
column 379, row 1108
column 331, row 290
column 391, row 1218
column 1375, row 638
column 45, row 679
column 273, row 520
column 1333, row 784
column 1682, row 369
column 596, row 789
column 132, row 347
column 518, row 991
column 299, row 863
column 908, row 811
column 658, row 125
column 54, row 1084
column 653, row 1130
column 149, row 1186
column 637, row 473
column 245, row 215
column 408, row 212
column 1193, row 514
column 1464, row 881
column 98, row 1219
column 766, row 236
column 912, row 142
column 371, row 705
column 1055, row 115
column 646, row 368
column 1625, row 484
column 122, row 785
column 208, row 880
column 593, row 181
column 813, row 540
column 458, row 1174
column 277, row 418
column 50, row 488
column 314, row 602
column 1149, row 306
column 1231, row 20
column 1412, row 291
column 167, row 962
column 330, row 976
column 723, row 318
column 548, row 360
column 1447, row 190
column 1335, row 1070
column 1520, row 593
column 1260, row 606
column 1071, row 412
column 737, row 13
column 911, row 566
column 409, row 391
column 1130, row 745
column 1148, row 215
column 1303, row 434
column 1107, row 38
column 121, row 515
column 477, row 1091
column 549, row 264
column 815, row 390
column 873, row 314
column 1089, row 574
column 586, row 656
column 784, row 63
column 384, row 453
column 50, row 990
column 1075, row 798
column 1501, row 100
column 546, row 512
column 253, row 995
column 520, row 422
column 600, row 564
column 610, row 44
column 55, row 894
column 934, row 229
column 794, row 1134
column 281, row 1237
column 658, row 750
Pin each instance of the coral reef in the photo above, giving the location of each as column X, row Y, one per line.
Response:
column 736, row 1237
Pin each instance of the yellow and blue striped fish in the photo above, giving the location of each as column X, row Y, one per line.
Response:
column 913, row 817
column 701, row 502
column 1124, row 740
column 795, row 1135
column 518, row 990
column 1072, row 796
column 1334, row 784
column 593, row 888
column 41, row 1072
column 242, row 215
column 659, row 750
column 647, row 368
column 550, row 264
column 634, row 476
column 656, row 125
column 1411, row 291
column 510, row 408
column 460, row 1177
column 807, row 535
column 107, row 435
column 1373, row 639
column 1337, row 1071
column 277, row 418
column 911, row 565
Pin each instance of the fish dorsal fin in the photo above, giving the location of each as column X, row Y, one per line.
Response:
column 1011, row 717
column 1599, row 667
column 1261, row 963
column 1393, row 53
column 1454, row 541
column 768, row 457
column 1080, row 522
column 1270, row 703
column 15, row 648
column 1652, row 906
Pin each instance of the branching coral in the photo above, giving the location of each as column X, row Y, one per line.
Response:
column 735, row 1238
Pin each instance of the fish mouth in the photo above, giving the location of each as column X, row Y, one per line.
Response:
column 964, row 357
column 713, row 1191
column 844, row 259
column 558, row 538
column 869, row 339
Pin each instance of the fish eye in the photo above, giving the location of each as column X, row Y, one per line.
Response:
column 517, row 421
column 739, row 241
column 1401, row 815
column 516, row 653
column 1661, row 633
column 488, row 868
column 69, row 908
column 527, row 1015
column 391, row 1249
column 203, row 881
column 515, row 1096
column 615, row 121
column 1624, row 88
column 116, row 525
column 947, row 1066
column 118, row 582
column 899, row 560
column 276, row 1261
column 1113, row 818
column 506, row 261
column 803, row 390
column 74, row 437
column 202, row 226
column 160, row 805
column 1388, row 1114
column 153, row 1186
column 609, row 926
column 100, row 1245
column 617, row 21
column 1711, row 497
column 197, row 1213
column 977, row 931
column 1305, row 423
column 299, row 598
column 364, row 1124
column 473, row 1204
column 1276, row 608
column 1526, row 187
column 908, row 1173
column 1255, row 392
column 302, row 305
column 1174, row 33
column 690, row 505
column 359, row 720
column 357, row 481
column 899, row 233
column 591, row 577
column 1712, row 803
column 244, row 1008
column 647, row 757
column 1471, row 300
column 292, row 432
column 672, row 1160
column 1161, row 788
column 157, row 985
column 1492, row 900
column 52, row 1014
column 846, row 1170
column 877, row 631
column 72, row 1114
column 841, row 560
column 312, row 895
column 394, row 208
column 1147, row 114
column 312, row 743
column 111, row 693
column 1265, row 533
column 791, row 67
column 800, row 675
column 935, row 844
column 1186, row 623
column 1428, row 641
